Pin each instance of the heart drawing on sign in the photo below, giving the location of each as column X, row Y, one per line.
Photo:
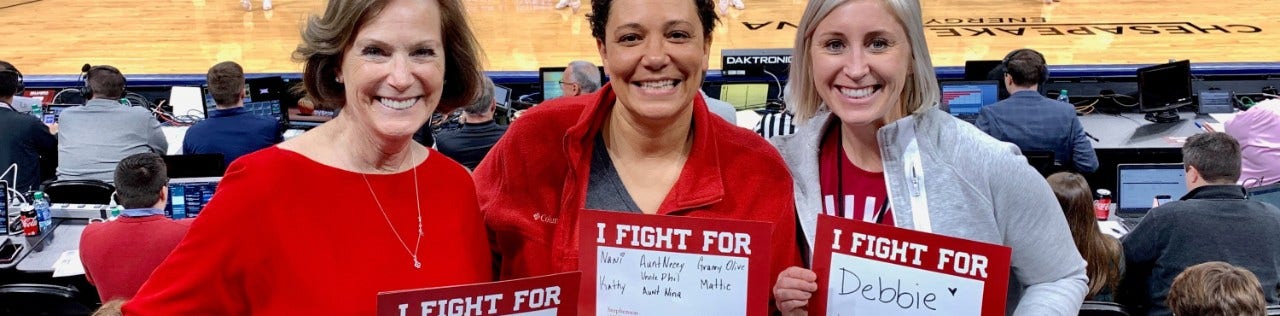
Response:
column 953, row 291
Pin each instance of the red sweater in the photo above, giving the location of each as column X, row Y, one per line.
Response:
column 533, row 184
column 119, row 255
column 285, row 235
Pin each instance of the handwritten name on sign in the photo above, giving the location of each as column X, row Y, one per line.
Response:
column 870, row 269
column 548, row 295
column 667, row 265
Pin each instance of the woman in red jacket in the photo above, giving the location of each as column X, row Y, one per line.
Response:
column 645, row 143
column 319, row 224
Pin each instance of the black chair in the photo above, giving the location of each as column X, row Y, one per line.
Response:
column 1096, row 308
column 78, row 191
column 195, row 165
column 1042, row 161
column 1266, row 194
column 40, row 299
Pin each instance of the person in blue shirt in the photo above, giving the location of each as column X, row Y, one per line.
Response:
column 1034, row 122
column 230, row 130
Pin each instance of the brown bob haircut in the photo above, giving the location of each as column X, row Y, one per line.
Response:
column 326, row 37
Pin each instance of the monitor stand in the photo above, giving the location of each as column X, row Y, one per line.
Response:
column 1169, row 116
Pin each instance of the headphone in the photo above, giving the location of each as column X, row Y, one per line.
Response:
column 88, row 74
column 1044, row 79
column 17, row 82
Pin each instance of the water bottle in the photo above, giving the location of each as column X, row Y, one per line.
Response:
column 37, row 111
column 43, row 217
column 1062, row 96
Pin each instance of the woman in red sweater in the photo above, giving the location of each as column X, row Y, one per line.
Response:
column 645, row 143
column 318, row 225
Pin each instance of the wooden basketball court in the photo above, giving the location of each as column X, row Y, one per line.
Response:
column 187, row 36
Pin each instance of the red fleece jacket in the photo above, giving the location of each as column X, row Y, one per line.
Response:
column 533, row 184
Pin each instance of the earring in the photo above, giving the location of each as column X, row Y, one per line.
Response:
column 337, row 79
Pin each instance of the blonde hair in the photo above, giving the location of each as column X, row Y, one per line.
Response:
column 1216, row 288
column 921, row 91
column 326, row 37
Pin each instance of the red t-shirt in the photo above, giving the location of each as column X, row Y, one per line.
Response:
column 864, row 193
column 286, row 235
column 119, row 256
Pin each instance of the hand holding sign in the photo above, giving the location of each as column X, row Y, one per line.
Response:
column 869, row 269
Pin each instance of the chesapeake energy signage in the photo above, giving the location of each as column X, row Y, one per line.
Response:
column 1040, row 26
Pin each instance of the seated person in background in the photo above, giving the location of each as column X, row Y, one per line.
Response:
column 230, row 130
column 1258, row 131
column 119, row 255
column 479, row 132
column 580, row 77
column 1034, row 122
column 94, row 137
column 1102, row 252
column 1213, row 222
column 1216, row 289
column 775, row 121
column 19, row 103
column 23, row 138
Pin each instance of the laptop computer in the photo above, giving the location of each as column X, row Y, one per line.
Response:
column 1141, row 187
column 1269, row 194
column 188, row 196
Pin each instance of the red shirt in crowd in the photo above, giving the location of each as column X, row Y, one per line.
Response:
column 286, row 235
column 119, row 255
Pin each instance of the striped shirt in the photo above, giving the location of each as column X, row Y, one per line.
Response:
column 776, row 124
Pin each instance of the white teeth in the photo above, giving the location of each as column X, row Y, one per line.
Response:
column 661, row 84
column 397, row 104
column 857, row 93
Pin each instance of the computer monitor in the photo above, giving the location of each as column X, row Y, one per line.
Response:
column 1138, row 186
column 964, row 99
column 975, row 70
column 745, row 96
column 502, row 96
column 188, row 196
column 550, row 78
column 262, row 98
column 1269, row 194
column 56, row 111
column 187, row 101
column 194, row 165
column 305, row 113
column 1162, row 89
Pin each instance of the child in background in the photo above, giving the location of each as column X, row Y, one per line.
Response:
column 1216, row 288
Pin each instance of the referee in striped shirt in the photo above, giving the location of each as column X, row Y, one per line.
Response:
column 775, row 121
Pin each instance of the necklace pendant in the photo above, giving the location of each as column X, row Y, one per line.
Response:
column 416, row 264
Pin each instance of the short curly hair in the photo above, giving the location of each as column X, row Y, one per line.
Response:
column 599, row 16
column 326, row 37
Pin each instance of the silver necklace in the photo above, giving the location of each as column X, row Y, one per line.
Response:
column 417, row 202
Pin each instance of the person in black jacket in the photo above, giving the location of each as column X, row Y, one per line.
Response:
column 479, row 131
column 1213, row 222
column 23, row 138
